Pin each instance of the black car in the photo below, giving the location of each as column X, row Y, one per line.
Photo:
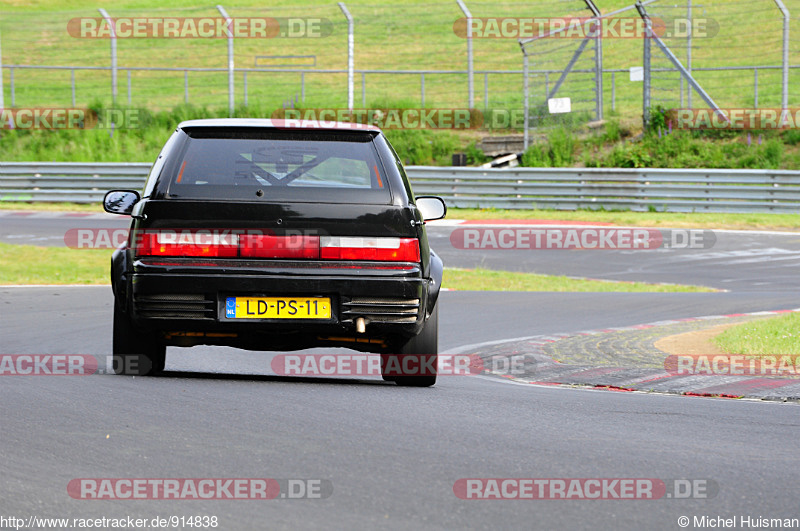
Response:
column 271, row 235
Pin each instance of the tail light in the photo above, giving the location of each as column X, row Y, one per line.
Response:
column 267, row 246
column 357, row 248
column 233, row 244
column 197, row 243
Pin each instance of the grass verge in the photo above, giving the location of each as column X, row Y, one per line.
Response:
column 773, row 336
column 28, row 264
column 641, row 219
column 52, row 207
column 488, row 280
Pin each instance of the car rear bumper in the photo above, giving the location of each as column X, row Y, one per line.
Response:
column 185, row 300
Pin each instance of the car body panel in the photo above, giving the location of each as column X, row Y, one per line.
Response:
column 183, row 298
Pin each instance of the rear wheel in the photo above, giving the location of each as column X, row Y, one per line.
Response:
column 420, row 352
column 136, row 352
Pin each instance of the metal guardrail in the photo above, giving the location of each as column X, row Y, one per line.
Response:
column 670, row 190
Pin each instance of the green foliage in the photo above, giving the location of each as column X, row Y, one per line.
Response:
column 613, row 131
column 558, row 151
column 561, row 147
column 422, row 146
column 791, row 137
column 684, row 149
column 658, row 119
column 474, row 155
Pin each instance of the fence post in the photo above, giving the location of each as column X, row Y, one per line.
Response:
column 2, row 87
column 486, row 91
column 598, row 60
column 470, row 71
column 229, row 31
column 113, row 30
column 785, row 59
column 614, row 91
column 525, row 104
column 646, row 68
column 755, row 88
column 650, row 35
column 689, row 51
column 350, row 44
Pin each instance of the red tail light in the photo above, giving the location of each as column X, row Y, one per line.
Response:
column 358, row 248
column 232, row 244
column 267, row 246
column 197, row 243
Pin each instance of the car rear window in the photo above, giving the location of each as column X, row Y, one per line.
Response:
column 278, row 165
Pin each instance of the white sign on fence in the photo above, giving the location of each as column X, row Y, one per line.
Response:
column 637, row 73
column 559, row 105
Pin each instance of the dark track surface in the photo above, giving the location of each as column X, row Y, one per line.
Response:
column 393, row 454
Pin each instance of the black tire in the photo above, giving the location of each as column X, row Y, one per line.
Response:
column 426, row 346
column 136, row 353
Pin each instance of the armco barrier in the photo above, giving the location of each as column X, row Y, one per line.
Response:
column 642, row 189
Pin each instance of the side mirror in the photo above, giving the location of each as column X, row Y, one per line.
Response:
column 120, row 201
column 431, row 207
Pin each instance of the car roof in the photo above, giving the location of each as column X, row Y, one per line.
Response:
column 313, row 125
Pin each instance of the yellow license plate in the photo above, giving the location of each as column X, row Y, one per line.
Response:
column 277, row 308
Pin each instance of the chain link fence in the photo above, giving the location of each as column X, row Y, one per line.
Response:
column 407, row 55
column 734, row 51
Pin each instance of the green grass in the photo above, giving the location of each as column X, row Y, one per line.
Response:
column 29, row 264
column 773, row 336
column 52, row 207
column 488, row 280
column 417, row 34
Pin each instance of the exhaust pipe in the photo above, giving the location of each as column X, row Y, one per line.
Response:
column 361, row 325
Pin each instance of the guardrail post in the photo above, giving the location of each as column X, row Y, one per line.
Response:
column 350, row 45
column 113, row 39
